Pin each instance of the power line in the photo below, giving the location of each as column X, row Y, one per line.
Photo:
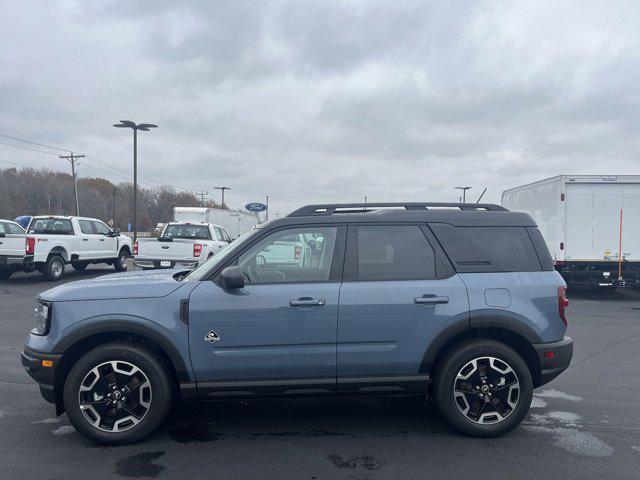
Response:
column 34, row 143
column 27, row 148
column 201, row 194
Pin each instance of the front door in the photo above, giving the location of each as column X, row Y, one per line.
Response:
column 396, row 297
column 278, row 333
column 106, row 244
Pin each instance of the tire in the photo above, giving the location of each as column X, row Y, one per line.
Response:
column 120, row 263
column 5, row 274
column 151, row 404
column 79, row 266
column 498, row 411
column 53, row 269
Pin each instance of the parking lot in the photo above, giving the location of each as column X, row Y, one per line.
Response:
column 585, row 424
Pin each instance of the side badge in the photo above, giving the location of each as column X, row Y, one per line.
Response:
column 211, row 336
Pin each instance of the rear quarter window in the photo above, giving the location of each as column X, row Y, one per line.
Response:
column 488, row 249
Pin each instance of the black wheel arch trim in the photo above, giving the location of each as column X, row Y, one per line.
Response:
column 507, row 323
column 126, row 326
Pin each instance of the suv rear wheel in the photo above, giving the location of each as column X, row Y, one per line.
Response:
column 117, row 393
column 483, row 388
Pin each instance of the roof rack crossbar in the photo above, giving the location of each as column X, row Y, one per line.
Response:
column 330, row 209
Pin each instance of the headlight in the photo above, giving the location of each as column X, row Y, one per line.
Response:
column 42, row 314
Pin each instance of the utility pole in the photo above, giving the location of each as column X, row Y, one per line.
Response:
column 113, row 206
column 73, row 160
column 222, row 189
column 267, row 210
column 464, row 193
column 201, row 194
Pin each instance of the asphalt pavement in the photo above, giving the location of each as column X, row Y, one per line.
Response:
column 585, row 424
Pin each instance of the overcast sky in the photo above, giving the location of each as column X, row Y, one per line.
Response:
column 327, row 101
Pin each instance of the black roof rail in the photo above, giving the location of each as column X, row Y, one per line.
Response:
column 330, row 209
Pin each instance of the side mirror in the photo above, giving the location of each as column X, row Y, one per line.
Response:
column 114, row 232
column 232, row 277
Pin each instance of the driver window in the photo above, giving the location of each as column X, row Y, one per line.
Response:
column 101, row 228
column 290, row 256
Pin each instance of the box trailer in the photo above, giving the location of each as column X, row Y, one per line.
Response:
column 591, row 224
column 235, row 222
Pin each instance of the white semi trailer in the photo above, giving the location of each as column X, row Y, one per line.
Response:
column 591, row 224
column 234, row 222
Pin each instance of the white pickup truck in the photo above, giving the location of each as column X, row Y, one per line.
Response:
column 184, row 244
column 13, row 249
column 54, row 241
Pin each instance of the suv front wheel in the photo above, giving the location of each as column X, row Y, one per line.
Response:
column 483, row 388
column 117, row 393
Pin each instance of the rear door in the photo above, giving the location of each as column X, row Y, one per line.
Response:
column 398, row 295
column 11, row 240
column 88, row 240
column 278, row 333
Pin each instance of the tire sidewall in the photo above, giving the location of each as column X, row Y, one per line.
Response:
column 446, row 375
column 48, row 269
column 120, row 263
column 142, row 358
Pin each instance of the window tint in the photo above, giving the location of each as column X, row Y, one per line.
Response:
column 51, row 226
column 85, row 227
column 394, row 252
column 541, row 248
column 101, row 228
column 292, row 255
column 200, row 232
column 488, row 249
column 14, row 229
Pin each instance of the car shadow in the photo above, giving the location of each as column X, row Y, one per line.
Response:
column 204, row 422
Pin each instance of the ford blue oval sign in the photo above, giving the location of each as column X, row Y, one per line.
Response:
column 255, row 207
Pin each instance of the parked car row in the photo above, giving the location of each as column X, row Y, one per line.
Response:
column 51, row 242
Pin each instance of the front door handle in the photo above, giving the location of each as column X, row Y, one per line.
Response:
column 85, row 239
column 102, row 239
column 430, row 300
column 307, row 302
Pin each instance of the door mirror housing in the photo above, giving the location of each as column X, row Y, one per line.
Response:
column 232, row 277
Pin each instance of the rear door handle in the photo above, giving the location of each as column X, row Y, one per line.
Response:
column 307, row 302
column 430, row 300
column 85, row 239
column 102, row 239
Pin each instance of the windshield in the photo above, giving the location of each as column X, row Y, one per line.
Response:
column 204, row 269
column 58, row 226
column 200, row 232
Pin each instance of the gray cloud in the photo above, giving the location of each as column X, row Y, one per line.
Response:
column 313, row 101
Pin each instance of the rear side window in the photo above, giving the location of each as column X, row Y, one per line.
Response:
column 488, row 249
column 4, row 228
column 394, row 252
column 85, row 227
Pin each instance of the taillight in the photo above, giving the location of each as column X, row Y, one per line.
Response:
column 297, row 253
column 197, row 249
column 563, row 303
column 135, row 247
column 30, row 245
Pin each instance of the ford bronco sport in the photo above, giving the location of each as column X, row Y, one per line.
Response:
column 458, row 302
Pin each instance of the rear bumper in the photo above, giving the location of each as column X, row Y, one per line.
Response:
column 15, row 263
column 554, row 358
column 173, row 263
column 32, row 361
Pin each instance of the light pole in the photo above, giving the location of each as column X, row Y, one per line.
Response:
column 464, row 193
column 222, row 189
column 145, row 128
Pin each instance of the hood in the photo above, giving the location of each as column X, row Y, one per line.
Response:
column 143, row 284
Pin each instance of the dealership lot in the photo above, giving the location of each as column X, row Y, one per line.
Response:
column 585, row 424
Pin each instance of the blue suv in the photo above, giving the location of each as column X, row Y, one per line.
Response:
column 456, row 302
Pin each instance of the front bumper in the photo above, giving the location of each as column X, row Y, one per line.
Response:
column 41, row 367
column 554, row 358
column 172, row 263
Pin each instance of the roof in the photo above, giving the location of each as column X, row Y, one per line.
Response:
column 453, row 214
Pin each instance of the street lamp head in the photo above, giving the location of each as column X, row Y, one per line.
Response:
column 120, row 125
column 146, row 126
